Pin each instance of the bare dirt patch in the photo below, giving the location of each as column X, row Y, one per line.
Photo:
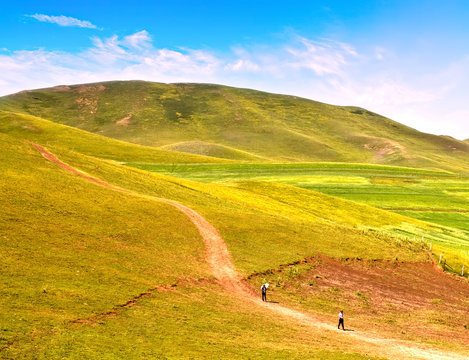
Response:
column 125, row 121
column 91, row 88
column 382, row 147
column 61, row 88
column 416, row 300
column 89, row 98
column 402, row 285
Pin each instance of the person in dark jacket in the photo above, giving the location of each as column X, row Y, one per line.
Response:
column 264, row 291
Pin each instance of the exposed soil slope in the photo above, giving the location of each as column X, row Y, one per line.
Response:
column 219, row 259
column 417, row 298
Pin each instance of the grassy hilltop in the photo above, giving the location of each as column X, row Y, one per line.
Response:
column 238, row 124
column 89, row 272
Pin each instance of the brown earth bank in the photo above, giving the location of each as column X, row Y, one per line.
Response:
column 416, row 301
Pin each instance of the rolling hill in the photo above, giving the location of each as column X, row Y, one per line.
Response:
column 43, row 131
column 105, row 260
column 125, row 274
column 219, row 120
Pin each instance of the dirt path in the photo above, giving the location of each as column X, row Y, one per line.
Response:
column 223, row 269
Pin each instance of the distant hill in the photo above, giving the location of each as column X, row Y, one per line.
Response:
column 237, row 123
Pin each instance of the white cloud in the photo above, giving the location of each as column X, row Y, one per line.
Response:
column 138, row 40
column 242, row 65
column 130, row 57
column 329, row 71
column 63, row 20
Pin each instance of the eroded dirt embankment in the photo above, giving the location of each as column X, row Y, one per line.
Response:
column 223, row 269
column 417, row 298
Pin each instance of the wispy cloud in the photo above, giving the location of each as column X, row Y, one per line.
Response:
column 63, row 20
column 319, row 69
column 317, row 58
column 322, row 57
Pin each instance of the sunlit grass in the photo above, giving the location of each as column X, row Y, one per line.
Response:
column 71, row 249
column 49, row 133
column 431, row 196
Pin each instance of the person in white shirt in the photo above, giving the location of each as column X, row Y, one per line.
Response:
column 341, row 320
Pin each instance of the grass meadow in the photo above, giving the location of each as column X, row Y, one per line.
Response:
column 72, row 250
column 436, row 197
column 74, row 253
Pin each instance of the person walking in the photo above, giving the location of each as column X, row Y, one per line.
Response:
column 264, row 292
column 341, row 320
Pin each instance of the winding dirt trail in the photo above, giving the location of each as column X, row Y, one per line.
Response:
column 223, row 269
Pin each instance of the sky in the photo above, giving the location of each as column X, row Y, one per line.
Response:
column 404, row 59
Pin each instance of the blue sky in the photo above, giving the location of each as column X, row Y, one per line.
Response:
column 408, row 60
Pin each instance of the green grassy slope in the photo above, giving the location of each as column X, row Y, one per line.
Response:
column 248, row 221
column 49, row 133
column 66, row 256
column 293, row 221
column 436, row 197
column 278, row 127
column 213, row 150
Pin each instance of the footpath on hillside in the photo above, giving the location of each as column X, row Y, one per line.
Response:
column 223, row 269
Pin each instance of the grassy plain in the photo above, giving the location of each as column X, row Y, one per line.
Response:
column 437, row 197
